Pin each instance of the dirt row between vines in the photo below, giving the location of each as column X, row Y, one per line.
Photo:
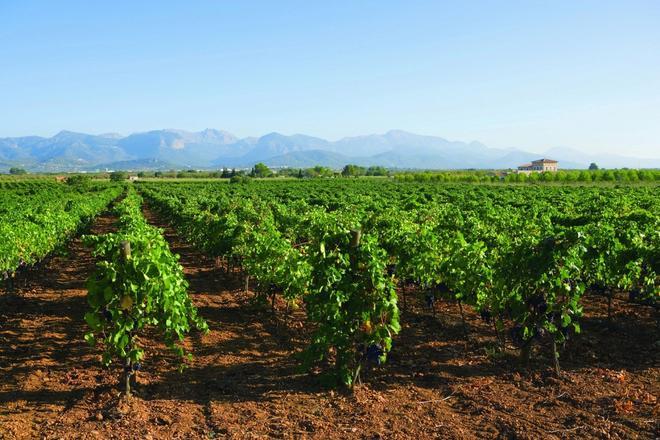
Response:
column 244, row 381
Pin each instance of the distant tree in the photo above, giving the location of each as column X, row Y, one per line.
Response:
column 261, row 170
column 78, row 180
column 226, row 174
column 544, row 176
column 118, row 176
column 593, row 166
column 186, row 173
column 158, row 174
column 353, row 171
column 607, row 176
column 377, row 171
column 141, row 174
column 16, row 171
column 318, row 171
column 287, row 172
column 621, row 176
column 532, row 177
column 239, row 179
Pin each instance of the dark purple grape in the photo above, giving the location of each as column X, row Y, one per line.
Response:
column 137, row 366
column 486, row 315
column 430, row 300
column 516, row 335
column 441, row 288
column 541, row 332
column 599, row 288
column 107, row 315
column 542, row 308
column 537, row 304
column 374, row 352
column 633, row 295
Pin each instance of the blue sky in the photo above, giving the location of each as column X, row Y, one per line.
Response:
column 526, row 74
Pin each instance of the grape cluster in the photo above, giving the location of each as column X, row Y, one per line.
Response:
column 486, row 315
column 517, row 335
column 374, row 353
column 537, row 304
column 134, row 367
column 107, row 315
column 411, row 282
column 540, row 332
column 555, row 318
column 634, row 294
column 598, row 288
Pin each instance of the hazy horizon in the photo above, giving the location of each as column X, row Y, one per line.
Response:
column 527, row 76
column 258, row 135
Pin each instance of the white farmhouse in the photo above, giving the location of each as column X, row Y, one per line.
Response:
column 539, row 166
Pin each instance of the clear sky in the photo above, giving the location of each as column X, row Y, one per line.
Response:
column 526, row 74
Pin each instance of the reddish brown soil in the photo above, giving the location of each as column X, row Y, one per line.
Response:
column 244, row 381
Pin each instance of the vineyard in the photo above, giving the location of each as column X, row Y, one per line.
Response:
column 360, row 308
column 38, row 216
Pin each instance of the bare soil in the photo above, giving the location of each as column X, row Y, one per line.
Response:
column 244, row 381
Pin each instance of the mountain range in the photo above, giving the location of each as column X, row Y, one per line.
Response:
column 213, row 149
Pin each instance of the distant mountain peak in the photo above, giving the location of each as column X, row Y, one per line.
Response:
column 208, row 148
column 111, row 135
column 210, row 134
column 67, row 133
column 398, row 132
column 273, row 135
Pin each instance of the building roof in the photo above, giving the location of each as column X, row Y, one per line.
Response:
column 545, row 161
column 525, row 165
